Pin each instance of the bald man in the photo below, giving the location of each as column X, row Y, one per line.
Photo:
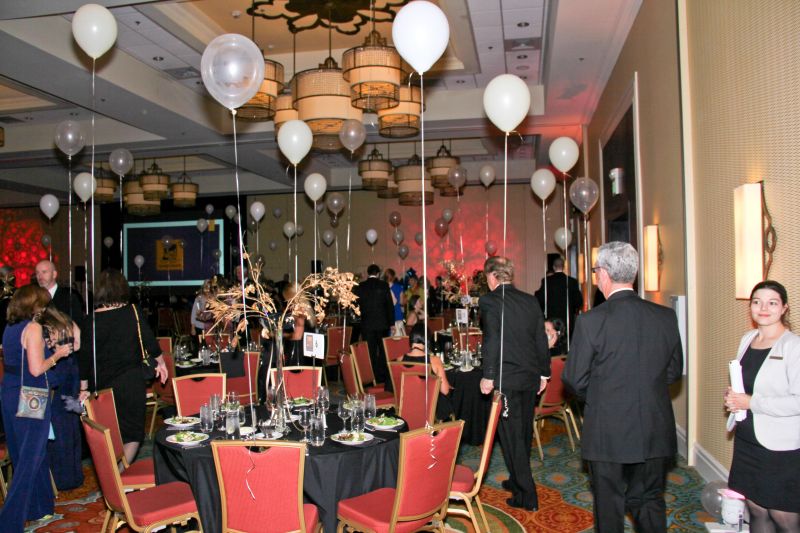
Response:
column 65, row 451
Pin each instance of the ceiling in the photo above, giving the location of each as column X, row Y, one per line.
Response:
column 149, row 97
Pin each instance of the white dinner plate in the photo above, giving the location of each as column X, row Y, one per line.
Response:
column 184, row 365
column 182, row 421
column 347, row 438
column 194, row 439
column 398, row 422
column 245, row 431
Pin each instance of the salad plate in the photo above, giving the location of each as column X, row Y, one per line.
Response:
column 384, row 422
column 182, row 421
column 352, row 439
column 187, row 438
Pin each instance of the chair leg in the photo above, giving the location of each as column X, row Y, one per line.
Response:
column 538, row 441
column 479, row 505
column 114, row 523
column 574, row 423
column 153, row 420
column 472, row 515
column 340, row 527
column 563, row 418
column 3, row 485
column 106, row 519
column 53, row 483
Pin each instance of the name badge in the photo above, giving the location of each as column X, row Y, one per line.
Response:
column 778, row 357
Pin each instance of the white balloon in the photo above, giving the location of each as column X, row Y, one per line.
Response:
column 420, row 33
column 563, row 237
column 543, row 182
column 94, row 29
column 564, row 153
column 289, row 229
column 138, row 261
column 69, row 137
column 202, row 225
column 506, row 101
column 49, row 205
column 257, row 211
column 232, row 68
column 447, row 214
column 84, row 185
column 372, row 236
column 209, row 209
column 583, row 193
column 230, row 212
column 315, row 186
column 487, row 175
column 108, row 242
column 294, row 140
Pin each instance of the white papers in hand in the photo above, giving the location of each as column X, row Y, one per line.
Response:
column 737, row 384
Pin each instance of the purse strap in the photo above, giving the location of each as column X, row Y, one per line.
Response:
column 22, row 370
column 139, row 332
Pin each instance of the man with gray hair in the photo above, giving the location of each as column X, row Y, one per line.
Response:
column 625, row 354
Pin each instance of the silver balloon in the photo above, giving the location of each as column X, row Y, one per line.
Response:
column 398, row 236
column 108, row 242
column 583, row 194
column 711, row 499
column 299, row 230
column 273, row 245
column 217, row 254
column 277, row 212
column 457, row 177
column 395, row 219
column 209, row 209
column 447, row 214
column 69, row 137
column 352, row 134
column 120, row 161
column 320, row 207
column 230, row 212
column 335, row 203
column 402, row 251
column 328, row 237
column 418, row 238
column 202, row 225
column 46, row 240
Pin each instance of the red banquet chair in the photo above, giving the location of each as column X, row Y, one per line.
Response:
column 349, row 376
column 240, row 384
column 398, row 368
column 360, row 351
column 553, row 404
column 423, row 486
column 163, row 395
column 143, row 510
column 413, row 396
column 467, row 482
column 337, row 338
column 395, row 347
column 102, row 410
column 278, row 491
column 299, row 381
column 193, row 391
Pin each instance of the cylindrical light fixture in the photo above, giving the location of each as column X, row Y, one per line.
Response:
column 374, row 72
column 284, row 110
column 322, row 98
column 412, row 191
column 375, row 171
column 391, row 191
column 184, row 192
column 262, row 106
column 440, row 166
column 106, row 187
column 402, row 120
column 155, row 184
column 135, row 203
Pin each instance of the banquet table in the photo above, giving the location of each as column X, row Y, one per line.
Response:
column 332, row 473
column 469, row 404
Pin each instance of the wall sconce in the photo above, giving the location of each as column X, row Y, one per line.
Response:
column 755, row 237
column 653, row 258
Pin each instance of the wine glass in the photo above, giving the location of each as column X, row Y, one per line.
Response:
column 343, row 411
column 370, row 407
column 305, row 422
column 324, row 399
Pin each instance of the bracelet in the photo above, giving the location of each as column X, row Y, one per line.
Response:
column 84, row 390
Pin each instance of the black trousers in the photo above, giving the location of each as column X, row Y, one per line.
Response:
column 516, row 437
column 637, row 487
column 377, row 356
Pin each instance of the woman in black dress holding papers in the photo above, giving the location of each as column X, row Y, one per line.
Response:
column 766, row 453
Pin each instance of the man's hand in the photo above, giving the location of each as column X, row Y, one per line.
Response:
column 542, row 385
column 487, row 385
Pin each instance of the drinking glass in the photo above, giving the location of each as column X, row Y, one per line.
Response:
column 358, row 420
column 324, row 399
column 231, row 424
column 344, row 413
column 370, row 407
column 304, row 421
column 242, row 415
column 279, row 420
column 214, row 401
column 219, row 419
column 233, row 399
column 318, row 430
column 206, row 420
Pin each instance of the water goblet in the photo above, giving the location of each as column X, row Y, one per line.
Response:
column 343, row 411
column 242, row 415
column 324, row 398
column 370, row 406
column 279, row 421
column 214, row 401
column 233, row 399
column 304, row 421
column 358, row 420
column 318, row 430
column 206, row 420
column 231, row 424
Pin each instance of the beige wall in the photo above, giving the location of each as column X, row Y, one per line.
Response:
column 651, row 51
column 524, row 230
column 744, row 74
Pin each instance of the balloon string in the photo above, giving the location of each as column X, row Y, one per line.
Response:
column 424, row 237
column 241, row 248
column 349, row 194
column 503, row 286
column 566, row 252
column 544, row 247
column 120, row 216
column 296, row 280
column 505, row 194
column 69, row 217
column 93, row 185
column 315, row 237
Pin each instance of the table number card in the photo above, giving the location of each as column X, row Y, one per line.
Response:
column 462, row 316
column 314, row 345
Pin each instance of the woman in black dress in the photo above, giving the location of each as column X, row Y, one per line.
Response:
column 766, row 453
column 119, row 356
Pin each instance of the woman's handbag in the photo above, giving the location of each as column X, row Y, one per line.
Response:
column 32, row 400
column 148, row 366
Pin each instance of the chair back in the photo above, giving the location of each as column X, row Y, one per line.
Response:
column 299, row 381
column 395, row 347
column 423, row 483
column 183, row 322
column 103, row 410
column 231, row 363
column 488, row 440
column 165, row 392
column 337, row 337
column 165, row 320
column 279, row 487
column 435, row 323
column 98, row 437
column 554, row 393
column 349, row 376
column 247, row 391
column 213, row 341
column 413, row 396
column 466, row 339
column 360, row 351
column 398, row 368
column 193, row 391
column 165, row 343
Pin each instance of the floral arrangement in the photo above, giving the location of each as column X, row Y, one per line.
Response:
column 453, row 283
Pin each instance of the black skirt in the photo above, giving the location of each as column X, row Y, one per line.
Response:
column 766, row 477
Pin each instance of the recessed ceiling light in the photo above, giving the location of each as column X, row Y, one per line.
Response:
column 523, row 67
column 523, row 77
column 73, row 113
column 459, row 82
column 522, row 56
column 236, row 13
column 491, row 48
column 158, row 59
column 523, row 24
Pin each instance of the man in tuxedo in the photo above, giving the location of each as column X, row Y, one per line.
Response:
column 564, row 297
column 377, row 316
column 624, row 355
column 516, row 362
column 65, row 451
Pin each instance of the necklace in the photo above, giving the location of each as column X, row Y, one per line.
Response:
column 110, row 307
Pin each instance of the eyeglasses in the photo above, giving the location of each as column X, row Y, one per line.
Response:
column 595, row 269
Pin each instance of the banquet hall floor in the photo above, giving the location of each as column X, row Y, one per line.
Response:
column 564, row 497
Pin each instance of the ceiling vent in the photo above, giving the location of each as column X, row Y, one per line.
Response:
column 516, row 45
column 183, row 73
column 8, row 119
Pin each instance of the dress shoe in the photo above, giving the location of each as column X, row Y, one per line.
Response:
column 514, row 502
column 506, row 484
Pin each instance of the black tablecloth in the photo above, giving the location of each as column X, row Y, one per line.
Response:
column 469, row 404
column 333, row 472
column 197, row 368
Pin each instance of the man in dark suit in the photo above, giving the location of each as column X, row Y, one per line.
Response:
column 377, row 316
column 65, row 451
column 564, row 297
column 625, row 354
column 516, row 362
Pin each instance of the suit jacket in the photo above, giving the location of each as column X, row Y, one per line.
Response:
column 560, row 289
column 775, row 402
column 525, row 355
column 375, row 302
column 69, row 303
column 623, row 357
